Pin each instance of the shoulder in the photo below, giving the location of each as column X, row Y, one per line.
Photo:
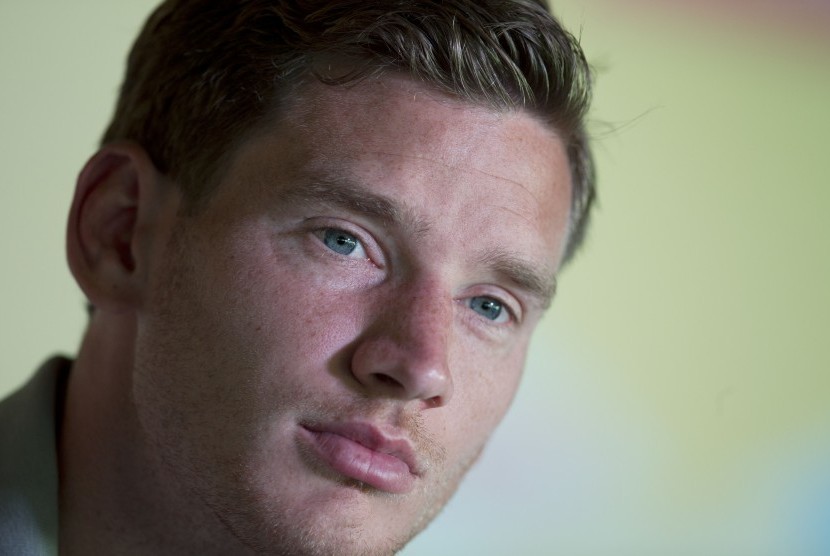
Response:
column 28, row 466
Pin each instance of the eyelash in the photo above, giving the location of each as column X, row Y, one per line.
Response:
column 507, row 308
column 370, row 251
column 341, row 238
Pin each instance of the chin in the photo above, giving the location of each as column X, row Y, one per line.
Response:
column 327, row 516
column 341, row 526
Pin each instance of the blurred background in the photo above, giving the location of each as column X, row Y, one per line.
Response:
column 677, row 397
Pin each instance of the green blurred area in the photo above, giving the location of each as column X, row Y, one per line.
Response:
column 704, row 290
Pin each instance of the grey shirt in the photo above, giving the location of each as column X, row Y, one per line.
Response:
column 28, row 463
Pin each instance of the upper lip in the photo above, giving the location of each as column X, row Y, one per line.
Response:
column 386, row 440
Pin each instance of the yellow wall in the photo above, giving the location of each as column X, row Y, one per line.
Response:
column 677, row 399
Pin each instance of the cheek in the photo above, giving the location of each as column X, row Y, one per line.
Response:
column 232, row 335
column 484, row 390
column 273, row 305
column 286, row 323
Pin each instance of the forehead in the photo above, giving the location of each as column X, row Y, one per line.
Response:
column 394, row 112
column 434, row 154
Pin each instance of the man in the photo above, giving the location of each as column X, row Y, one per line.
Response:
column 316, row 240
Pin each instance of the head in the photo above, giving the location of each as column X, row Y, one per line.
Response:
column 339, row 225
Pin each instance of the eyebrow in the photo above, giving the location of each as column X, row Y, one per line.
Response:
column 539, row 285
column 344, row 192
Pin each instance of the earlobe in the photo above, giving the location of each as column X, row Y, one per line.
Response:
column 117, row 188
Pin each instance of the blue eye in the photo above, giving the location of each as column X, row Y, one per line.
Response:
column 489, row 308
column 343, row 243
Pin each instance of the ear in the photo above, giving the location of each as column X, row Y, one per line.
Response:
column 120, row 202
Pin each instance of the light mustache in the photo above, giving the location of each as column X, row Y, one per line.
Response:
column 407, row 424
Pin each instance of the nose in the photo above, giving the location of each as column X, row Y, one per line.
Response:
column 403, row 354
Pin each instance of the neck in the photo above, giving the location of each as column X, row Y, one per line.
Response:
column 115, row 496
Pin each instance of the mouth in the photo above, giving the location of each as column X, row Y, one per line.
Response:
column 364, row 453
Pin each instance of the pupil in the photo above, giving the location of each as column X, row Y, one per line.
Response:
column 340, row 242
column 486, row 307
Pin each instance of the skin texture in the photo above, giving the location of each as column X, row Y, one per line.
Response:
column 226, row 335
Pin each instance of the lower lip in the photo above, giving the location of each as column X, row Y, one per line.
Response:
column 355, row 461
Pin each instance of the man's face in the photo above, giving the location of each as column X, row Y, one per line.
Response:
column 329, row 342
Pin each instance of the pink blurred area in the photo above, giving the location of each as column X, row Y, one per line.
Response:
column 792, row 19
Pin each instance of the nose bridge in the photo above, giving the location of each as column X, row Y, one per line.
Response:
column 406, row 354
column 421, row 319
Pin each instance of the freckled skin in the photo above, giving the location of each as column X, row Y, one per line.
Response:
column 253, row 326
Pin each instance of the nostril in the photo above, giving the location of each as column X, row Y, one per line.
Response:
column 435, row 401
column 387, row 380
